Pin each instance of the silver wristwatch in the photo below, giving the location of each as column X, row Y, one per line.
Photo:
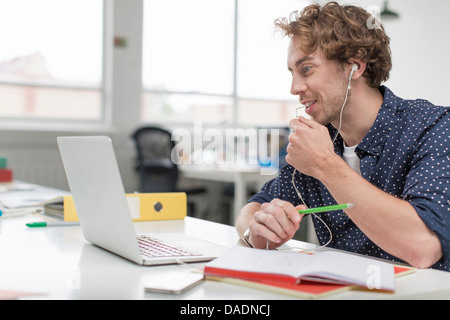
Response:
column 247, row 237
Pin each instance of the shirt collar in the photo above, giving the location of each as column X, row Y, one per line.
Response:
column 375, row 138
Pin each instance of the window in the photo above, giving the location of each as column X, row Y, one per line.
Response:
column 51, row 59
column 188, row 59
column 263, row 82
column 205, row 60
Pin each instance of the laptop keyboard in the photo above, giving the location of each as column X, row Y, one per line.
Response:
column 154, row 248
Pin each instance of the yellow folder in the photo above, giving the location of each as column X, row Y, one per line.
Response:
column 143, row 206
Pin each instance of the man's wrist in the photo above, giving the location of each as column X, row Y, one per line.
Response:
column 328, row 169
column 246, row 237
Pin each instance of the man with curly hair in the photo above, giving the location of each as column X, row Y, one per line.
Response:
column 363, row 145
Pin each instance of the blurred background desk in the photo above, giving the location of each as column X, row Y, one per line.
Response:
column 243, row 178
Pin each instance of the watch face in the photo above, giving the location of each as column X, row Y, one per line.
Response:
column 247, row 237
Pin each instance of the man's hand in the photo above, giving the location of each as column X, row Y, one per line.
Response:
column 276, row 222
column 309, row 146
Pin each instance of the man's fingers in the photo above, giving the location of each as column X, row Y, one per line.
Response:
column 261, row 230
column 267, row 221
column 280, row 217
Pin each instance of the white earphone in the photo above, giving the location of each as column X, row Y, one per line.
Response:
column 349, row 86
column 354, row 68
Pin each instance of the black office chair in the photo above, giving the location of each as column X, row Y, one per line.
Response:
column 157, row 171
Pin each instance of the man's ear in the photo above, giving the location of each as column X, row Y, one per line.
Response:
column 357, row 71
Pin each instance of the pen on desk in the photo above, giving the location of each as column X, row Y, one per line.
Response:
column 327, row 208
column 51, row 224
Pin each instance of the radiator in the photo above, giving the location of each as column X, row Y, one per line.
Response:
column 35, row 158
column 43, row 167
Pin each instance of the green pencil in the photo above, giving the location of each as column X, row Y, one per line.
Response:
column 326, row 208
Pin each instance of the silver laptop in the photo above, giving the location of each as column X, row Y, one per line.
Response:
column 102, row 208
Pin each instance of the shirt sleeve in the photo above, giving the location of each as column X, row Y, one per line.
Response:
column 428, row 182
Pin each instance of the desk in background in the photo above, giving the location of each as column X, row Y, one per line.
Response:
column 58, row 263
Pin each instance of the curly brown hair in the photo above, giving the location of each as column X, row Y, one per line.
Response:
column 342, row 32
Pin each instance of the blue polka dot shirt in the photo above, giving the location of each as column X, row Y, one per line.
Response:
column 406, row 154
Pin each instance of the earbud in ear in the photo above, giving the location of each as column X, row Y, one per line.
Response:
column 354, row 68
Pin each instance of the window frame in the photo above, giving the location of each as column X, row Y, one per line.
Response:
column 38, row 122
column 235, row 96
column 112, row 92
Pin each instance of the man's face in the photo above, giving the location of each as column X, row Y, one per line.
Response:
column 320, row 83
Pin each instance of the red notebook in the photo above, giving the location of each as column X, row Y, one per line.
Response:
column 304, row 289
column 299, row 273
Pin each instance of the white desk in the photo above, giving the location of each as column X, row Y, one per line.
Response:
column 59, row 264
column 241, row 176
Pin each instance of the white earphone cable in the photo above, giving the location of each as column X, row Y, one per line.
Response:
column 334, row 139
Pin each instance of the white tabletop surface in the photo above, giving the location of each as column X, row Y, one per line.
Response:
column 58, row 263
